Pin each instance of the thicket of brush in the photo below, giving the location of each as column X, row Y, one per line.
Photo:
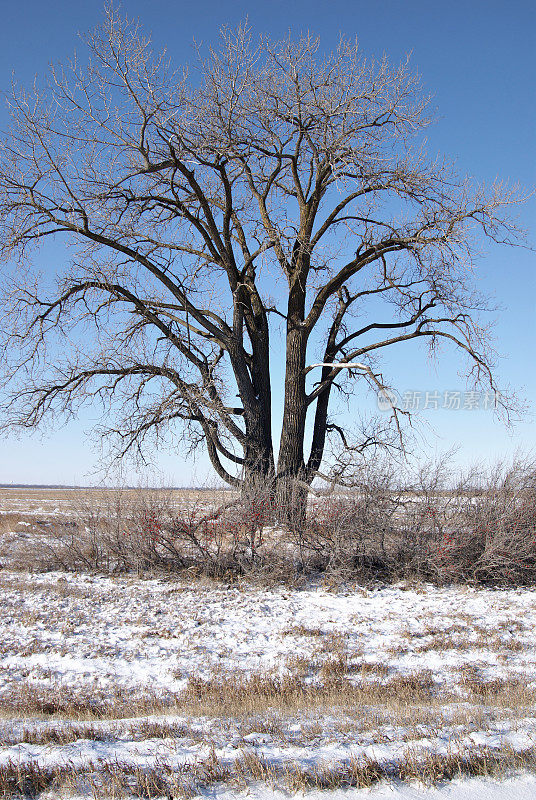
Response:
column 479, row 529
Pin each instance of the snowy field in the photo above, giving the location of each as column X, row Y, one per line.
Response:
column 69, row 503
column 120, row 686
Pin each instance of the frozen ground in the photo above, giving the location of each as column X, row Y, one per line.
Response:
column 521, row 788
column 145, row 673
column 120, row 686
column 152, row 635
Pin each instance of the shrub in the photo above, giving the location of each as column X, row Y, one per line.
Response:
column 480, row 529
column 495, row 538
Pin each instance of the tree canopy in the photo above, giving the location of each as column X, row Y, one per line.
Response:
column 272, row 186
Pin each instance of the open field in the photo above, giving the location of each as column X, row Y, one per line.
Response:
column 69, row 502
column 118, row 686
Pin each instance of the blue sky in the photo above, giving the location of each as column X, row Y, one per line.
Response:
column 478, row 60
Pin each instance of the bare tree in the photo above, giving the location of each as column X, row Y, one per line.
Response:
column 274, row 187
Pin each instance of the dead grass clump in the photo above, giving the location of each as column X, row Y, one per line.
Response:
column 225, row 693
column 449, row 640
column 334, row 668
column 334, row 642
column 511, row 645
column 250, row 766
column 369, row 668
column 482, row 762
column 303, row 630
column 414, row 687
column 510, row 691
column 164, row 780
column 86, row 703
column 426, row 768
column 355, row 773
column 302, row 666
column 58, row 734
column 12, row 521
column 28, row 779
column 49, row 702
column 155, row 729
column 119, row 780
column 468, row 640
column 230, row 694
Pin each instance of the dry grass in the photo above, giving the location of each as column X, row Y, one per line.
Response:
column 370, row 669
column 11, row 521
column 512, row 691
column 33, row 497
column 303, row 630
column 311, row 685
column 87, row 703
column 230, row 694
column 157, row 729
column 119, row 780
column 225, row 693
column 57, row 735
column 365, row 709
column 29, row 779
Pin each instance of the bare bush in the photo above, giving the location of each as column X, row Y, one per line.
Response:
column 494, row 540
column 349, row 533
column 479, row 528
column 145, row 531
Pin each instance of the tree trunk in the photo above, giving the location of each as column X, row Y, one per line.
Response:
column 291, row 494
column 290, row 502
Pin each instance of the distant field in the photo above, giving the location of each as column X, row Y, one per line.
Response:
column 55, row 502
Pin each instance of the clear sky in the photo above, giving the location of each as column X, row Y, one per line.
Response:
column 478, row 59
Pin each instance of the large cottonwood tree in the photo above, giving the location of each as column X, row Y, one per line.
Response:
column 273, row 188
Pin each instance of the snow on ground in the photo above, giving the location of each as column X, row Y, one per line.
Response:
column 100, row 636
column 153, row 634
column 519, row 788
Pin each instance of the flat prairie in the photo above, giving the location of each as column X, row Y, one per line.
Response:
column 68, row 501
